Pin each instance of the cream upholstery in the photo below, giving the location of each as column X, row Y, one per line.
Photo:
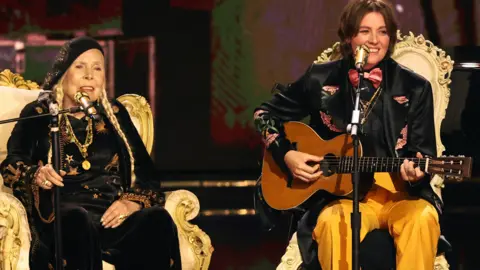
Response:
column 425, row 59
column 195, row 246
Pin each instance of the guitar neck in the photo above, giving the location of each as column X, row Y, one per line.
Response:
column 374, row 164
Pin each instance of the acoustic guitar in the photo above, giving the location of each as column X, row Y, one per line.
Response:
column 282, row 193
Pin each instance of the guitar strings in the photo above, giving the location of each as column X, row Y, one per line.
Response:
column 375, row 164
column 387, row 160
column 378, row 163
column 370, row 164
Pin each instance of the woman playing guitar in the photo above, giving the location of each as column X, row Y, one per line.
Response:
column 397, row 121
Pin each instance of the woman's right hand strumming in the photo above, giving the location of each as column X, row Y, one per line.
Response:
column 298, row 163
column 46, row 177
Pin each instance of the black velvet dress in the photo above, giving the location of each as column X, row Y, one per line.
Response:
column 147, row 239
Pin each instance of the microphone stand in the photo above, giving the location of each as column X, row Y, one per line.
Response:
column 56, row 163
column 356, row 218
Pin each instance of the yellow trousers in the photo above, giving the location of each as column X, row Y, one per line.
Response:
column 412, row 222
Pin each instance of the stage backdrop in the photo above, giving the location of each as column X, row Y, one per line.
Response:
column 258, row 43
column 252, row 45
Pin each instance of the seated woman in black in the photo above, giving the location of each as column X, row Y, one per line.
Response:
column 104, row 216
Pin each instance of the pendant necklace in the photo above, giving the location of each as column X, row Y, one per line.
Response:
column 82, row 147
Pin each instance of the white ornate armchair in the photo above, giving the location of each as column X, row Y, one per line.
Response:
column 195, row 246
column 427, row 60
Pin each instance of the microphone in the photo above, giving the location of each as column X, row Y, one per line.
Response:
column 47, row 99
column 83, row 100
column 361, row 55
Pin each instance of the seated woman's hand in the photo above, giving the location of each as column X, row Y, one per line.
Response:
column 299, row 165
column 118, row 212
column 409, row 172
column 46, row 177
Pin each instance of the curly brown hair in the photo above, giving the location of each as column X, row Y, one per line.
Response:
column 353, row 14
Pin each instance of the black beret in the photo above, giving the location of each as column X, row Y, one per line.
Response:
column 65, row 57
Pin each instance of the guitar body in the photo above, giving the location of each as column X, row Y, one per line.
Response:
column 274, row 182
column 337, row 152
column 281, row 194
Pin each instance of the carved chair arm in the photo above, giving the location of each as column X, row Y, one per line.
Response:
column 184, row 206
column 14, row 233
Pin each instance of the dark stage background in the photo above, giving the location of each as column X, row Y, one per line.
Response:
column 214, row 61
column 204, row 65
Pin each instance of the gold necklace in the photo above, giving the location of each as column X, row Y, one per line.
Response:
column 82, row 147
column 365, row 107
column 369, row 109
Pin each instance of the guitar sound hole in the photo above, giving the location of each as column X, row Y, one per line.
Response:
column 328, row 166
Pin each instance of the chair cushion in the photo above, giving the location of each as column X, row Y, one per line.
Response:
column 12, row 102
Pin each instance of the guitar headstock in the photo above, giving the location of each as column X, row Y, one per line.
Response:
column 454, row 168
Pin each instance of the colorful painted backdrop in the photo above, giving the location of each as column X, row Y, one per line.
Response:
column 258, row 43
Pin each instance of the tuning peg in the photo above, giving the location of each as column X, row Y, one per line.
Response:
column 453, row 178
column 440, row 185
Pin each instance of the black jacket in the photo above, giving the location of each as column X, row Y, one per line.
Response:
column 308, row 96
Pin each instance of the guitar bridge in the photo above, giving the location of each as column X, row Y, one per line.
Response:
column 289, row 180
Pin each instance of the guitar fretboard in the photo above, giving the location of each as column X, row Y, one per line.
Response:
column 371, row 164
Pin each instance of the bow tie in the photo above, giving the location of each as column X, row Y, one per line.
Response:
column 375, row 76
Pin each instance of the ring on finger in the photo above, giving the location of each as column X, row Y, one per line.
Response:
column 122, row 217
column 46, row 183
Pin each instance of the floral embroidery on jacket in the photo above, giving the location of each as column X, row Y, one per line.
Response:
column 266, row 127
column 327, row 121
column 401, row 99
column 402, row 141
column 331, row 89
column 269, row 139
